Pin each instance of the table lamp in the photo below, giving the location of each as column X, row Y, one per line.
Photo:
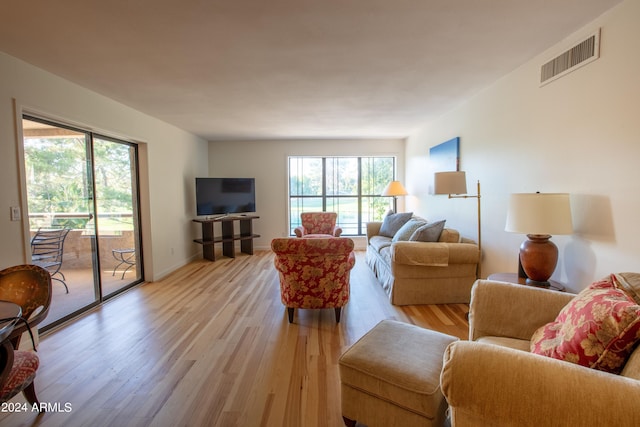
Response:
column 455, row 185
column 394, row 189
column 539, row 215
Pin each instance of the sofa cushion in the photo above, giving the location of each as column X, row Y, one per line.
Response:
column 450, row 235
column 597, row 329
column 414, row 253
column 385, row 254
column 428, row 232
column 408, row 229
column 632, row 367
column 379, row 242
column 514, row 343
column 393, row 222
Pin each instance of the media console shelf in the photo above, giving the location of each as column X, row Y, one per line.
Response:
column 228, row 236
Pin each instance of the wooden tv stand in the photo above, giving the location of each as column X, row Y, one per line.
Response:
column 228, row 237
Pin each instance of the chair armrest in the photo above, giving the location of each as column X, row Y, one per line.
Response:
column 299, row 231
column 463, row 253
column 373, row 229
column 351, row 262
column 510, row 310
column 491, row 385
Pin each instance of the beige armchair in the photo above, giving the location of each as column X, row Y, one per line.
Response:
column 494, row 380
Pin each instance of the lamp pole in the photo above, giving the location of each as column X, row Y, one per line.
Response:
column 477, row 196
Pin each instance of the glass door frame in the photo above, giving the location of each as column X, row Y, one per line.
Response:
column 90, row 170
column 136, row 217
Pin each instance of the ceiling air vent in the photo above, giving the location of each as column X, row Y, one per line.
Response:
column 579, row 55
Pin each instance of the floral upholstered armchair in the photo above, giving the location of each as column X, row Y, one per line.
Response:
column 315, row 223
column 314, row 273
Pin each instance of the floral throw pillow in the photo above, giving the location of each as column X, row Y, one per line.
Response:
column 597, row 329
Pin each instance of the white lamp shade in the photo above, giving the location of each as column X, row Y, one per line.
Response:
column 450, row 183
column 539, row 213
column 394, row 188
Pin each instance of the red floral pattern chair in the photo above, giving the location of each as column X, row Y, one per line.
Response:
column 318, row 223
column 17, row 372
column 314, row 273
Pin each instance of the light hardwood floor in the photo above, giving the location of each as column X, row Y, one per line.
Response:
column 210, row 345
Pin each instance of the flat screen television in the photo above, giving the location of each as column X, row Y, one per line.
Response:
column 221, row 196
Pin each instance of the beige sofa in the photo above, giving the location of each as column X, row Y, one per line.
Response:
column 494, row 380
column 423, row 272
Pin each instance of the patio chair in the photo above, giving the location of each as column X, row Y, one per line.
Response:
column 123, row 257
column 47, row 250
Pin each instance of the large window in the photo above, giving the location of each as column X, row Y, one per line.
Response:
column 350, row 186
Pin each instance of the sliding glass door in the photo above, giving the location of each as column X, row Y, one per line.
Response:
column 83, row 186
column 116, row 183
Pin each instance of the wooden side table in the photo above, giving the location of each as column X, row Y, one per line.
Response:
column 514, row 278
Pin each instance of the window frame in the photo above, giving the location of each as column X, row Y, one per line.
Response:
column 325, row 197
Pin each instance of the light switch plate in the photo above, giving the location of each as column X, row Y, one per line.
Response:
column 15, row 213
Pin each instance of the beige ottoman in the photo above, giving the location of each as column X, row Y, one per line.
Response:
column 391, row 377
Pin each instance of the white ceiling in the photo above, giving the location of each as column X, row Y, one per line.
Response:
column 282, row 69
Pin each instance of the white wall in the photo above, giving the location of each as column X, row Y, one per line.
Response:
column 579, row 134
column 267, row 162
column 171, row 158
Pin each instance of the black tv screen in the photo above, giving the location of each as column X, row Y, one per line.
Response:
column 217, row 196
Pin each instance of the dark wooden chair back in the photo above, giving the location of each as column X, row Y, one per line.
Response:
column 29, row 286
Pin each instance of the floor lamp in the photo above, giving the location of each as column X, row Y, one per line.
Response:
column 455, row 185
column 394, row 189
